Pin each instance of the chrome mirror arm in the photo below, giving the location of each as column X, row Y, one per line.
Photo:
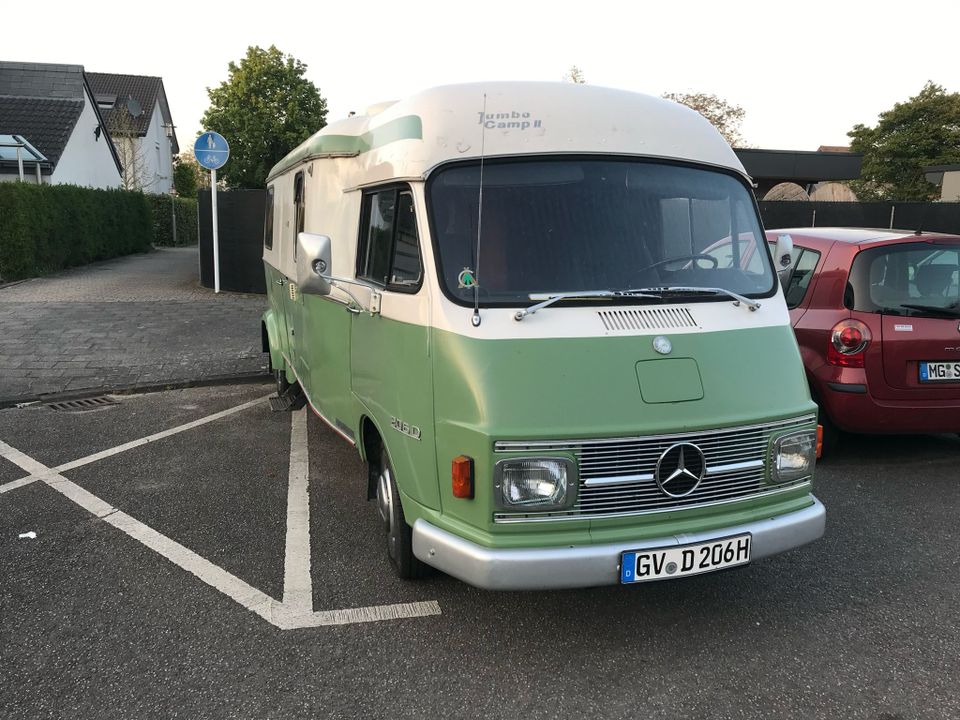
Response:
column 340, row 284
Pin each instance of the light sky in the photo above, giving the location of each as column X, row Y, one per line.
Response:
column 805, row 71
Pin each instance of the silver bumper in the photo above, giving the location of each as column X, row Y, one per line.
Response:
column 592, row 565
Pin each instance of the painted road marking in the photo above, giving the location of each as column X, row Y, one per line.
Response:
column 297, row 583
column 35, row 475
column 296, row 609
column 158, row 436
column 22, row 482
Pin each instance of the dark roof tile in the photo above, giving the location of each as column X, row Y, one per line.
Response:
column 46, row 123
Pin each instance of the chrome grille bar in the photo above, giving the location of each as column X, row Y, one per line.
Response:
column 617, row 474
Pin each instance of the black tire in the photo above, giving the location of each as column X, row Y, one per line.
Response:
column 399, row 533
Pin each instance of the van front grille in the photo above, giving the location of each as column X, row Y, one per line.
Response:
column 616, row 474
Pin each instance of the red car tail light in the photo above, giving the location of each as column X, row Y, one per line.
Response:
column 848, row 343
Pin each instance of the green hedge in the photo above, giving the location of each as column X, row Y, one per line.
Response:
column 45, row 228
column 163, row 214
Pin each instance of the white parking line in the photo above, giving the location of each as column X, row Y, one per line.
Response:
column 297, row 583
column 296, row 608
column 7, row 487
column 34, row 474
column 158, row 436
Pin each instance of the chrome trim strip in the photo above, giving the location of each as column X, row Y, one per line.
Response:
column 592, row 565
column 617, row 480
column 514, row 445
column 501, row 520
column 734, row 467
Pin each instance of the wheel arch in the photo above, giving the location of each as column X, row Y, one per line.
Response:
column 370, row 445
column 270, row 340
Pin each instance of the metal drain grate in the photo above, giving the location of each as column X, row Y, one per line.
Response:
column 83, row 404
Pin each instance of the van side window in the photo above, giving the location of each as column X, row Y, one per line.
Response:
column 268, row 220
column 389, row 252
column 800, row 280
column 406, row 270
column 298, row 209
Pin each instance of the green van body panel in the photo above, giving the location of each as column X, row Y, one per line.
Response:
column 392, row 378
column 499, row 390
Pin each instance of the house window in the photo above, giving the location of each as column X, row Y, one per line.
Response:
column 268, row 221
column 389, row 253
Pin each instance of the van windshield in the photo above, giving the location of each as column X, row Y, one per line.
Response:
column 586, row 224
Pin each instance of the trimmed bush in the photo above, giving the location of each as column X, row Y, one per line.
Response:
column 45, row 228
column 163, row 214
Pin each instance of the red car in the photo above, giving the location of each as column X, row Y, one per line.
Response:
column 877, row 317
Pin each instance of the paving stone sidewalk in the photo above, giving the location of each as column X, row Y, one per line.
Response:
column 138, row 320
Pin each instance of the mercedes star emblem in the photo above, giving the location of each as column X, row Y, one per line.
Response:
column 680, row 470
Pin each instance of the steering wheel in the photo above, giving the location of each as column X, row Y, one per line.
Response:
column 714, row 263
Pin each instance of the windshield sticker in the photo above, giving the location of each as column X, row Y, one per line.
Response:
column 466, row 279
column 903, row 328
column 512, row 120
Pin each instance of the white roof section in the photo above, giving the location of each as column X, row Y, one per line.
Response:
column 408, row 138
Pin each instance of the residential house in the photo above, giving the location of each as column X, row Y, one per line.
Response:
column 138, row 117
column 49, row 111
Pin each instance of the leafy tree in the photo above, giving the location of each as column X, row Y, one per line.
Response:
column 924, row 130
column 264, row 110
column 133, row 159
column 724, row 116
column 575, row 75
column 185, row 177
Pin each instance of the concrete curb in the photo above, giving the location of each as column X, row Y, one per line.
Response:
column 238, row 379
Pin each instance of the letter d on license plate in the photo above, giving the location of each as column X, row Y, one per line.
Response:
column 682, row 560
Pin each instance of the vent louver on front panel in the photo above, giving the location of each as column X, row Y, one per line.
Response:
column 664, row 318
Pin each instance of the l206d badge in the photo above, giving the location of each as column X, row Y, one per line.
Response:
column 405, row 428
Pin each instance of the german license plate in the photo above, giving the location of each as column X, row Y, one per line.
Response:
column 682, row 560
column 939, row 372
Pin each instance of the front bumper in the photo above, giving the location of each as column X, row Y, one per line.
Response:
column 592, row 565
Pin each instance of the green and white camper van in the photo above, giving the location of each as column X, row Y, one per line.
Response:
column 546, row 317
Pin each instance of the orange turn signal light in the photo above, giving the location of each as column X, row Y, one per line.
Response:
column 819, row 441
column 462, row 472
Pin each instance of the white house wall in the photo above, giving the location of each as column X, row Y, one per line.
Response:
column 85, row 160
column 158, row 156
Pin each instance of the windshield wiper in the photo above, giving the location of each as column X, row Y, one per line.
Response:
column 737, row 297
column 948, row 310
column 550, row 299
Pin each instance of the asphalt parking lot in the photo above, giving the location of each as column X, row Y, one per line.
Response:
column 188, row 564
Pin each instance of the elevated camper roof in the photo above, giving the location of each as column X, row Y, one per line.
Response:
column 408, row 138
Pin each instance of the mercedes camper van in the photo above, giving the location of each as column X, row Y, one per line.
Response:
column 525, row 305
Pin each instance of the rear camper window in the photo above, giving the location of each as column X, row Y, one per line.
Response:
column 913, row 279
column 389, row 252
column 585, row 224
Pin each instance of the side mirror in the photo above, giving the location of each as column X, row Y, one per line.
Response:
column 313, row 263
column 784, row 252
column 782, row 258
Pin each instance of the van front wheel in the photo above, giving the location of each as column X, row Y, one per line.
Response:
column 399, row 534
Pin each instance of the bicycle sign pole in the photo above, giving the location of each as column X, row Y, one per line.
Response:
column 212, row 152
